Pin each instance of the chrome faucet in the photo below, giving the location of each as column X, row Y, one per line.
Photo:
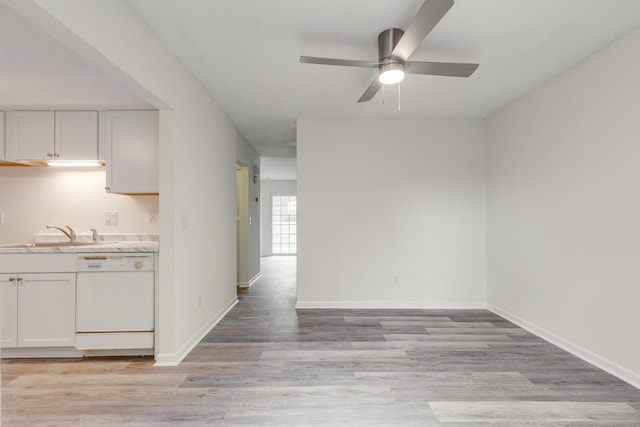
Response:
column 94, row 235
column 71, row 234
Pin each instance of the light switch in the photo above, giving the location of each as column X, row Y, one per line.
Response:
column 111, row 217
column 185, row 222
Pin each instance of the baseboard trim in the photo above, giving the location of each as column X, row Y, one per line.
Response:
column 603, row 363
column 174, row 359
column 250, row 282
column 40, row 352
column 423, row 305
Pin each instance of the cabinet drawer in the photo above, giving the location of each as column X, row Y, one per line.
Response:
column 37, row 263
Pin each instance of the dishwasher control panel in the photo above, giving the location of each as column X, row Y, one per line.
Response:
column 115, row 262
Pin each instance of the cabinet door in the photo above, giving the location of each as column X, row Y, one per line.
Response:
column 31, row 136
column 132, row 152
column 76, row 135
column 2, row 155
column 46, row 310
column 8, row 311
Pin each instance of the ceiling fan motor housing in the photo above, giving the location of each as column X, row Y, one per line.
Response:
column 387, row 40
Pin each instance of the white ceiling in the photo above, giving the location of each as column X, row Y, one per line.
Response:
column 245, row 52
column 37, row 71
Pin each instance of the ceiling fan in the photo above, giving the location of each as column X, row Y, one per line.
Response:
column 396, row 46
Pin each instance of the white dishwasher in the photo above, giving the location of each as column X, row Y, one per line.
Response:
column 115, row 301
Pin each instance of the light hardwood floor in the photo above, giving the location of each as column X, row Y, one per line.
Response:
column 268, row 364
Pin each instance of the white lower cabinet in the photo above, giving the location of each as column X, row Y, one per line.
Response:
column 8, row 311
column 38, row 309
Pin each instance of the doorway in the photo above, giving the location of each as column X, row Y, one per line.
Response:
column 242, row 221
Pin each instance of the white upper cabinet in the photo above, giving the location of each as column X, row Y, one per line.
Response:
column 132, row 152
column 49, row 135
column 2, row 135
column 77, row 135
column 31, row 135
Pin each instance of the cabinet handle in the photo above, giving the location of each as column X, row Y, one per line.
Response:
column 56, row 154
column 49, row 154
column 19, row 279
column 107, row 188
column 12, row 279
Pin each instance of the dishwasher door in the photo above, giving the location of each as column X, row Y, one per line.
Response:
column 115, row 301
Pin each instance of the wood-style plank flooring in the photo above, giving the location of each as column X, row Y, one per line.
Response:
column 267, row 364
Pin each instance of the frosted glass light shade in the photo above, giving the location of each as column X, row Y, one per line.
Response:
column 391, row 73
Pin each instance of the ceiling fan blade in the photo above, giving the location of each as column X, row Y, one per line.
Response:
column 373, row 88
column 452, row 69
column 333, row 61
column 430, row 13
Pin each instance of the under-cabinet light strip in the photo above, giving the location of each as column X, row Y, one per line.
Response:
column 81, row 163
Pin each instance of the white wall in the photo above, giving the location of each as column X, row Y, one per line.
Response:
column 33, row 197
column 197, row 162
column 380, row 198
column 278, row 168
column 267, row 189
column 564, row 209
column 249, row 157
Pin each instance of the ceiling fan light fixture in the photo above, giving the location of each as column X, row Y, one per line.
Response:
column 395, row 48
column 391, row 73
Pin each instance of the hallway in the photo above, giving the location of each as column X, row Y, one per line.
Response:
column 266, row 364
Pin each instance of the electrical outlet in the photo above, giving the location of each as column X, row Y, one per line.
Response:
column 185, row 221
column 153, row 217
column 111, row 217
column 1, row 218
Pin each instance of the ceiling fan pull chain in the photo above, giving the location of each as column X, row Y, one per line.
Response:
column 383, row 94
column 398, row 96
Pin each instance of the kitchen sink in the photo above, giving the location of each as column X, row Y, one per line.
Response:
column 65, row 244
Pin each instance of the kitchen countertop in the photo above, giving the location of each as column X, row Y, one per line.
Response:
column 112, row 243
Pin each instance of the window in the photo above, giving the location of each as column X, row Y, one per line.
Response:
column 284, row 232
